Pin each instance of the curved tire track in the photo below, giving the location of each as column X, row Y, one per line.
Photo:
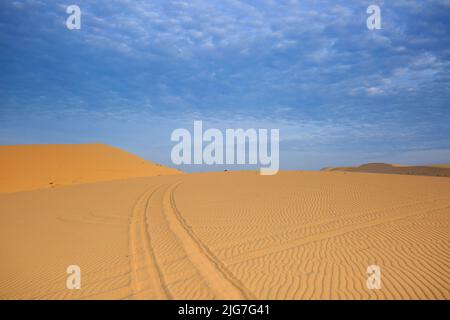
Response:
column 147, row 281
column 219, row 279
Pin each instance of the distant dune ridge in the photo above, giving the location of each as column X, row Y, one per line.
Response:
column 28, row 167
column 442, row 170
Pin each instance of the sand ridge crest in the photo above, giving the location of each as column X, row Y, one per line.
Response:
column 426, row 170
column 29, row 167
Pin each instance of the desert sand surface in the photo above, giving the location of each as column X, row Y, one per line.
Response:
column 440, row 165
column 442, row 170
column 229, row 235
column 27, row 167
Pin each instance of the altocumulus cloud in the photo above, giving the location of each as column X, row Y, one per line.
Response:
column 138, row 69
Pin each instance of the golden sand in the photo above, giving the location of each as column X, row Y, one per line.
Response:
column 30, row 167
column 440, row 170
column 230, row 235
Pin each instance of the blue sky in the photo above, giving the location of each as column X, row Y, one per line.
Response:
column 339, row 93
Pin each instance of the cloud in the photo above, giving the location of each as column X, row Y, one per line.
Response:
column 309, row 67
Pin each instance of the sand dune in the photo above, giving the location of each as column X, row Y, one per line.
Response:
column 233, row 235
column 428, row 170
column 30, row 167
column 439, row 165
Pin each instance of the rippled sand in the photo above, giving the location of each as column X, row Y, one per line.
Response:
column 231, row 235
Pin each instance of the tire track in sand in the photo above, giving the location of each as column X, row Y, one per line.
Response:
column 147, row 281
column 219, row 279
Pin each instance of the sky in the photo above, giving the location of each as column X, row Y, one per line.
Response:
column 339, row 93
